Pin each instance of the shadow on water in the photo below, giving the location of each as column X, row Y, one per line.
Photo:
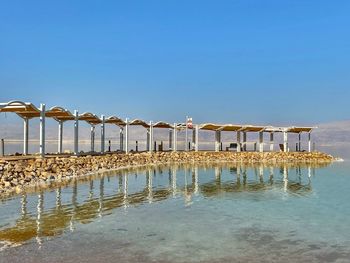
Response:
column 101, row 194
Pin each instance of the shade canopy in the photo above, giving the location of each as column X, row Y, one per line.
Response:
column 22, row 109
column 115, row 120
column 90, row 118
column 139, row 122
column 162, row 124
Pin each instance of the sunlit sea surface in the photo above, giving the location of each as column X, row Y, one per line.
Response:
column 185, row 213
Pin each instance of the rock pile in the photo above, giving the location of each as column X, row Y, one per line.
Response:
column 15, row 175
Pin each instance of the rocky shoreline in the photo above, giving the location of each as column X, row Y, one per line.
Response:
column 16, row 175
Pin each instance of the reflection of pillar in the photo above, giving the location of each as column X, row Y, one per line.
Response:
column 309, row 171
column 149, row 179
column 25, row 135
column 285, row 178
column 91, row 189
column 196, row 180
column 74, row 204
column 261, row 173
column 40, row 208
column 24, row 205
column 100, row 199
column 187, row 195
column 271, row 175
column 126, row 178
column 58, row 198
column 173, row 179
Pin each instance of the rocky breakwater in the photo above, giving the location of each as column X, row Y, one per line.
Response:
column 17, row 174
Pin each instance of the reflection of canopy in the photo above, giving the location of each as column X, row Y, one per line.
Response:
column 115, row 120
column 89, row 118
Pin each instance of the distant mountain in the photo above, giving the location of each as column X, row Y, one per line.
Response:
column 332, row 133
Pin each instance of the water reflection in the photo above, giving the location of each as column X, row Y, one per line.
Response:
column 99, row 195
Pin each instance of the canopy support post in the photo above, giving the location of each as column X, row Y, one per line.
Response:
column 60, row 135
column 42, row 130
column 121, row 139
column 271, row 141
column 92, row 138
column 261, row 142
column 175, row 138
column 76, row 132
column 299, row 142
column 285, row 141
column 103, row 131
column 126, row 135
column 238, row 141
column 25, row 135
column 151, row 136
column 309, row 141
column 196, row 138
column 245, row 141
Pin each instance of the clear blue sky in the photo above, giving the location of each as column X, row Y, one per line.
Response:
column 226, row 61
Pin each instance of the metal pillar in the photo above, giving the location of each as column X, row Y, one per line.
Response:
column 285, row 141
column 245, row 141
column 261, row 142
column 60, row 136
column 25, row 135
column 151, row 137
column 175, row 138
column 42, row 130
column 126, row 135
column 148, row 139
column 186, row 136
column 76, row 132
column 217, row 140
column 121, row 138
column 92, row 138
column 309, row 141
column 271, row 141
column 103, row 135
column 196, row 138
column 299, row 142
column 238, row 141
column 170, row 139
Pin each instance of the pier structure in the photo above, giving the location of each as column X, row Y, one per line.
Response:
column 28, row 111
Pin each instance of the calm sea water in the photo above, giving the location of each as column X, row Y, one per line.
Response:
column 216, row 213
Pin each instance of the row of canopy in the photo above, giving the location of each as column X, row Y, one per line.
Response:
column 28, row 110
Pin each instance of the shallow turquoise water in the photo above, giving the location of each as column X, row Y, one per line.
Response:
column 218, row 213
